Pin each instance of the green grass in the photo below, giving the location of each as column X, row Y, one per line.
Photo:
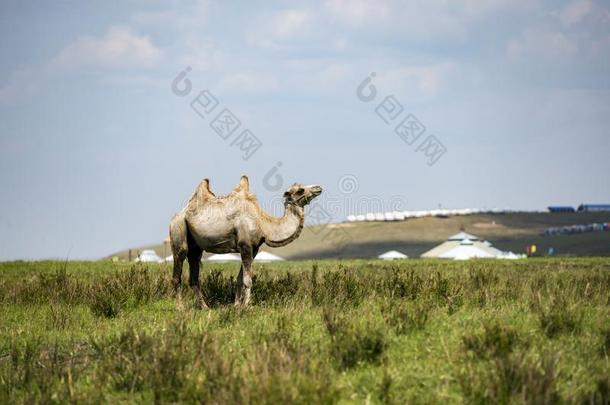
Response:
column 534, row 331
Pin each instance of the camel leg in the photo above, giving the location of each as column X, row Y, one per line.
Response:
column 244, row 279
column 177, row 277
column 178, row 239
column 194, row 257
column 239, row 291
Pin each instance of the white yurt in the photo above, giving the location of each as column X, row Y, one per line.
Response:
column 464, row 246
column 263, row 256
column 467, row 249
column 149, row 256
column 224, row 257
column 392, row 255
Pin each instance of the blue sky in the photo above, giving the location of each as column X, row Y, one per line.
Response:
column 97, row 152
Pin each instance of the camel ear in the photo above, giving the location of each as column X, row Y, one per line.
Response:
column 244, row 183
column 286, row 194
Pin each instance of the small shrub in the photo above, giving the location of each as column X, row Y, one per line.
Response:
column 480, row 278
column 218, row 290
column 37, row 373
column 512, row 379
column 403, row 284
column 282, row 336
column 405, row 317
column 314, row 293
column 341, row 288
column 439, row 287
column 106, row 300
column 385, row 389
column 275, row 290
column 496, row 341
column 605, row 344
column 601, row 393
column 558, row 320
column 230, row 314
column 59, row 316
column 122, row 359
column 285, row 377
column 353, row 343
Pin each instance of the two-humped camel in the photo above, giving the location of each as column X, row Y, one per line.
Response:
column 233, row 224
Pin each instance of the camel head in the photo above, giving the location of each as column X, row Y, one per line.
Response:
column 301, row 195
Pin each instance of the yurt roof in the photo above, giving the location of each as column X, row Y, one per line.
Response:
column 392, row 254
column 224, row 257
column 463, row 235
column 263, row 256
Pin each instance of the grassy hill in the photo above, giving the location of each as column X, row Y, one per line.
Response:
column 414, row 236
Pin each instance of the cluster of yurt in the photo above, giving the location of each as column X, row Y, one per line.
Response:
column 464, row 246
column 571, row 229
column 262, row 256
column 402, row 215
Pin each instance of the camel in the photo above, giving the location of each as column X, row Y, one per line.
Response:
column 233, row 224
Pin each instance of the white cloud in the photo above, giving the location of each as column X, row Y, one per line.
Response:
column 358, row 12
column 575, row 11
column 541, row 44
column 275, row 30
column 248, row 82
column 202, row 55
column 120, row 47
column 175, row 17
column 426, row 19
column 290, row 23
column 21, row 84
column 600, row 49
column 415, row 81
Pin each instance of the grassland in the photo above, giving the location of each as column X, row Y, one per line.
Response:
column 534, row 331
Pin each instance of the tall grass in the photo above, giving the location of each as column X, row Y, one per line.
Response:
column 326, row 332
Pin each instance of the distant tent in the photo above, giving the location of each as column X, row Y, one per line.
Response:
column 467, row 250
column 511, row 256
column 485, row 245
column 444, row 247
column 169, row 258
column 392, row 255
column 263, row 256
column 224, row 257
column 149, row 256
column 463, row 246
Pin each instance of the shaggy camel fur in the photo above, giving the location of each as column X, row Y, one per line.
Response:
column 234, row 223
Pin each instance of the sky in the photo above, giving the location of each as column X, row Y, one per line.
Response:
column 112, row 112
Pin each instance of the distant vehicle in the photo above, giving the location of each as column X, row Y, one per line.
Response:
column 149, row 256
column 593, row 207
column 561, row 208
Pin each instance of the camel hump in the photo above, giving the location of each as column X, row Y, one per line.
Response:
column 243, row 189
column 200, row 196
column 244, row 185
column 203, row 190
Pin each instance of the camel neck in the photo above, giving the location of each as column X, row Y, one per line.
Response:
column 282, row 231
